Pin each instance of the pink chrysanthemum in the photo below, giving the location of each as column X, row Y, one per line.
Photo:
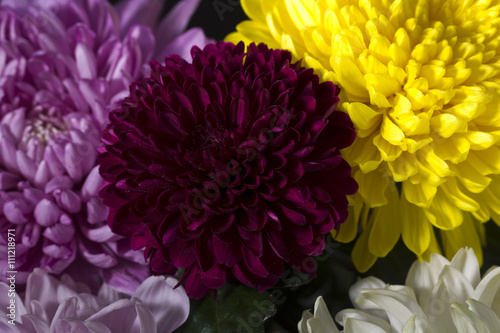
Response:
column 63, row 65
column 228, row 166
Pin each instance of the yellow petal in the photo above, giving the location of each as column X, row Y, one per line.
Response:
column 363, row 116
column 349, row 228
column 433, row 248
column 350, row 78
column 485, row 161
column 454, row 149
column 364, row 154
column 391, row 132
column 421, row 194
column 253, row 9
column 384, row 84
column 416, row 230
column 445, row 125
column 480, row 140
column 385, row 225
column 472, row 180
column 403, row 167
column 452, row 189
column 300, row 15
column 372, row 187
column 361, row 256
column 387, row 151
column 443, row 214
column 462, row 236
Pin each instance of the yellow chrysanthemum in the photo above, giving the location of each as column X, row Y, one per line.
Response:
column 421, row 83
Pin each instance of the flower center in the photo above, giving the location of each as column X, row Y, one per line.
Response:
column 208, row 137
column 44, row 127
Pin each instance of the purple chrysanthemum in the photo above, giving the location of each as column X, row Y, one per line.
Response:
column 63, row 65
column 228, row 166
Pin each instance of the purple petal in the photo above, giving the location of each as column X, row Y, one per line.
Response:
column 85, row 61
column 96, row 211
column 73, row 162
column 69, row 201
column 254, row 264
column 92, row 184
column 138, row 12
column 26, row 165
column 183, row 43
column 298, row 194
column 58, row 183
column 8, row 180
column 15, row 211
column 47, row 213
column 42, row 175
column 15, row 121
column 60, row 233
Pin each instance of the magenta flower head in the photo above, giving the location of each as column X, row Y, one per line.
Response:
column 63, row 305
column 228, row 166
column 63, row 65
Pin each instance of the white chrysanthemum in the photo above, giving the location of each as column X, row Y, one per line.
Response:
column 439, row 296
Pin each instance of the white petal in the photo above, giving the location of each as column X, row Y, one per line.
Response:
column 4, row 301
column 108, row 294
column 420, row 278
column 118, row 316
column 67, row 309
column 147, row 322
column 314, row 325
column 399, row 305
column 302, row 326
column 485, row 314
column 465, row 321
column 466, row 262
column 370, row 282
column 346, row 314
column 417, row 325
column 169, row 306
column 359, row 326
column 96, row 327
column 488, row 289
column 47, row 290
column 321, row 312
column 458, row 285
column 34, row 324
column 438, row 311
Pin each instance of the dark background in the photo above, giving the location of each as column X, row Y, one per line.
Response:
column 217, row 17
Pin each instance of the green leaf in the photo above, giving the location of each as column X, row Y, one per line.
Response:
column 234, row 309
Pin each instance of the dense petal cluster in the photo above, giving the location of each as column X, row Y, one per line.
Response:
column 63, row 66
column 228, row 166
column 61, row 306
column 439, row 296
column 420, row 81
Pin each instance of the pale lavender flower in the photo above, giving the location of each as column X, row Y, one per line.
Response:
column 64, row 64
column 61, row 306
